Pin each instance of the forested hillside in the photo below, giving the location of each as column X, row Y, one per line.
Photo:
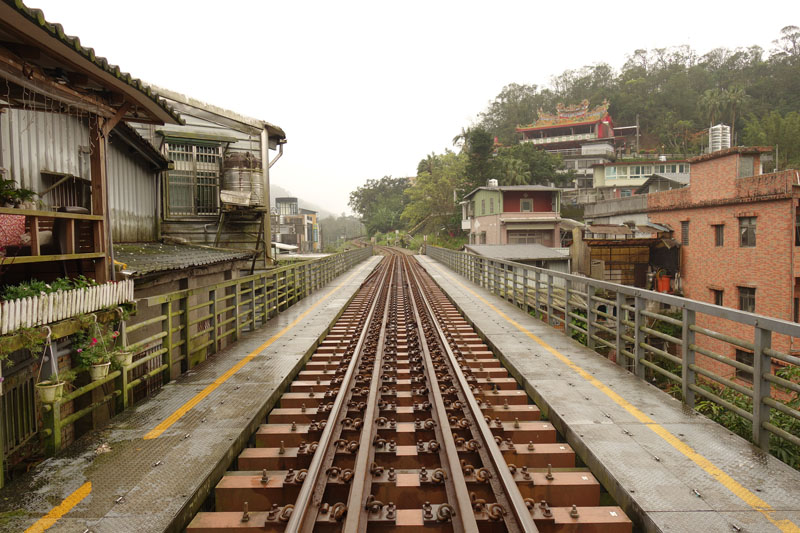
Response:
column 675, row 92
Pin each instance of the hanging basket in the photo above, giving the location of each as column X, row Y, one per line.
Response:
column 50, row 391
column 98, row 372
column 124, row 358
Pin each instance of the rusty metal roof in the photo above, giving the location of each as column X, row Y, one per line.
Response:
column 148, row 257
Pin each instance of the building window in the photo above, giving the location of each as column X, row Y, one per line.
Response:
column 483, row 237
column 719, row 234
column 685, row 232
column 483, row 207
column 526, row 205
column 624, row 193
column 193, row 185
column 746, row 358
column 796, row 310
column 797, row 227
column 717, row 294
column 491, row 206
column 746, row 163
column 747, row 299
column 747, row 232
column 543, row 237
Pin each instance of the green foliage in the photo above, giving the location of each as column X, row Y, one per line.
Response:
column 432, row 202
column 577, row 335
column 332, row 229
column 774, row 129
column 94, row 345
column 10, row 194
column 673, row 330
column 31, row 339
column 674, row 91
column 780, row 448
column 32, row 288
column 380, row 203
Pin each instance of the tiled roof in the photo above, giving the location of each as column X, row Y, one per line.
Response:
column 148, row 257
column 731, row 150
column 517, row 252
column 568, row 116
column 512, row 188
column 36, row 16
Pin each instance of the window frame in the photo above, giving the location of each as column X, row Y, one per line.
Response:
column 745, row 357
column 719, row 234
column 197, row 170
column 747, row 299
column 718, row 296
column 748, row 226
column 685, row 232
column 523, row 202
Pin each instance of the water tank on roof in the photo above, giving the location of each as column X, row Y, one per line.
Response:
column 719, row 137
column 242, row 180
column 492, row 183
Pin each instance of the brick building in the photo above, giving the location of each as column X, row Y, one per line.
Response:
column 739, row 237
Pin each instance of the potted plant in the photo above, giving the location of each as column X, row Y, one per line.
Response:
column 92, row 352
column 52, row 388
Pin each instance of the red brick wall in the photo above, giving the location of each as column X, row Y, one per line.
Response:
column 767, row 267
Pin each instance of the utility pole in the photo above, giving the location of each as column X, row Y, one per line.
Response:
column 637, row 134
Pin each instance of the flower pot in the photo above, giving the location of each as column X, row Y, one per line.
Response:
column 124, row 358
column 98, row 372
column 50, row 391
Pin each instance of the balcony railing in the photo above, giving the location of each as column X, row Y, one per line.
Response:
column 690, row 359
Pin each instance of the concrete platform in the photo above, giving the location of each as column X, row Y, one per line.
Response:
column 156, row 484
column 668, row 467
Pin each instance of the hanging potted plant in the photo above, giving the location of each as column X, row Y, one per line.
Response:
column 91, row 351
column 52, row 388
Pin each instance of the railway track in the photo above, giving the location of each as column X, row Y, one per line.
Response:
column 403, row 420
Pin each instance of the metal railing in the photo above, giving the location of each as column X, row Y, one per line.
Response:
column 193, row 324
column 683, row 347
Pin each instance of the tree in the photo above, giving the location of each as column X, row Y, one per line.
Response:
column 513, row 172
column 711, row 104
column 479, row 147
column 542, row 168
column 433, row 200
column 776, row 130
column 380, row 202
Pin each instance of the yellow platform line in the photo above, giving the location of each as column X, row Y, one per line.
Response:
column 185, row 408
column 714, row 471
column 47, row 521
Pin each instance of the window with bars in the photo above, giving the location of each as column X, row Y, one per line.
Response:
column 685, row 233
column 193, row 185
column 747, row 299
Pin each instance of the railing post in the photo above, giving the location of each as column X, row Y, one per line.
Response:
column 236, row 308
column 183, row 304
column 122, row 384
column 51, row 419
column 525, row 290
column 620, row 342
column 166, row 310
column 252, row 283
column 214, row 319
column 762, row 365
column 591, row 316
column 550, row 299
column 638, row 335
column 537, row 287
column 567, row 308
column 687, row 357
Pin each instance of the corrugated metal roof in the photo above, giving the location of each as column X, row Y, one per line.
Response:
column 516, row 252
column 148, row 257
column 609, row 229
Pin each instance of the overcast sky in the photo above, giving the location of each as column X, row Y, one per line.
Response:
column 367, row 89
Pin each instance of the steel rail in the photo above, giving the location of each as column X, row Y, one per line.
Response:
column 299, row 519
column 456, row 476
column 518, row 507
column 357, row 517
